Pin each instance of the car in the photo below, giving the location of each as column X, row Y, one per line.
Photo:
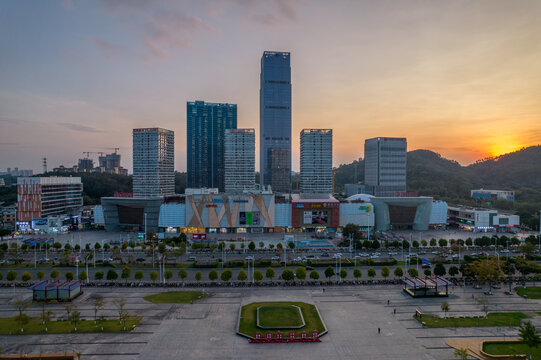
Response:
column 425, row 266
column 393, row 253
column 505, row 251
column 191, row 258
column 325, row 255
column 455, row 256
column 435, row 252
column 374, row 257
column 140, row 259
column 249, row 258
column 336, row 256
column 298, row 258
column 275, row 258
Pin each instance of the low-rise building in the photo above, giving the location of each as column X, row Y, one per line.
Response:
column 481, row 220
column 493, row 194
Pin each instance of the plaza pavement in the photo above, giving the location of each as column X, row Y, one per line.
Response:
column 206, row 329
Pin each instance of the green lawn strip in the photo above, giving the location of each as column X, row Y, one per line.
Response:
column 248, row 319
column 530, row 292
column 493, row 319
column 506, row 348
column 9, row 326
column 175, row 297
column 279, row 316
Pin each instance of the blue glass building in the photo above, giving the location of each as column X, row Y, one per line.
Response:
column 206, row 125
column 275, row 121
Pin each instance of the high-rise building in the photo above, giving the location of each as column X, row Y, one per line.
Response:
column 206, row 123
column 316, row 161
column 41, row 197
column 239, row 160
column 385, row 160
column 153, row 162
column 275, row 121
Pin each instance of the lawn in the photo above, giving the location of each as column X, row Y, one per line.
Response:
column 248, row 318
column 530, row 292
column 9, row 326
column 493, row 319
column 175, row 297
column 509, row 348
column 283, row 317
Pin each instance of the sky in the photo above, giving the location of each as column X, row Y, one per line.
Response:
column 461, row 78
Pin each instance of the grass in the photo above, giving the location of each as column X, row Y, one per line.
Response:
column 248, row 318
column 279, row 317
column 530, row 292
column 175, row 297
column 9, row 326
column 511, row 348
column 493, row 319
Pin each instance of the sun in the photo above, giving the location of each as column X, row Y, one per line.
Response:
column 501, row 149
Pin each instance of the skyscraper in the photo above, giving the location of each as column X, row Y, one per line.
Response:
column 206, row 125
column 385, row 161
column 153, row 162
column 275, row 121
column 239, row 160
column 316, row 161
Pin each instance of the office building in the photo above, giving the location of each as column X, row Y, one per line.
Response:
column 239, row 160
column 153, row 162
column 206, row 126
column 275, row 121
column 42, row 197
column 385, row 162
column 316, row 161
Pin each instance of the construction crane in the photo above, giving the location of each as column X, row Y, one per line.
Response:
column 92, row 152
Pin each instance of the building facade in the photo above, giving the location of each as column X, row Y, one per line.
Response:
column 385, row 162
column 206, row 127
column 153, row 162
column 275, row 121
column 316, row 161
column 481, row 220
column 314, row 211
column 493, row 194
column 42, row 197
column 239, row 160
column 402, row 213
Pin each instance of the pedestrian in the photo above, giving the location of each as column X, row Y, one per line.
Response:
column 395, row 311
column 388, row 301
column 379, row 331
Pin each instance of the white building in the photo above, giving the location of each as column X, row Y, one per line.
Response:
column 476, row 219
column 493, row 194
column 358, row 213
column 385, row 162
column 316, row 161
column 153, row 162
column 239, row 157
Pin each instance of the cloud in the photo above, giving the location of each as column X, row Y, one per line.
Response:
column 274, row 13
column 78, row 127
column 109, row 50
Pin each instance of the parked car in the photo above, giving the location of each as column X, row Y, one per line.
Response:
column 191, row 258
column 325, row 255
column 249, row 258
column 275, row 258
column 140, row 260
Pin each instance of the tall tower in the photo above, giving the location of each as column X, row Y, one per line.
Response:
column 316, row 161
column 153, row 162
column 239, row 160
column 206, row 126
column 275, row 121
column 385, row 162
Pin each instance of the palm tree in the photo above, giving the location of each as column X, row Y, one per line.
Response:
column 529, row 335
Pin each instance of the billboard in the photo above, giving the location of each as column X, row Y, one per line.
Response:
column 249, row 218
column 316, row 217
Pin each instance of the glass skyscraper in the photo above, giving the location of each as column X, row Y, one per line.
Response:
column 385, row 160
column 316, row 161
column 206, row 125
column 275, row 121
column 153, row 162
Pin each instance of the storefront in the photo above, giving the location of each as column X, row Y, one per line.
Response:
column 311, row 212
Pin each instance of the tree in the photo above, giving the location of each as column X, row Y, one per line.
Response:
column 69, row 308
column 251, row 246
column 329, row 272
column 385, row 271
column 357, row 273
column 442, row 242
column 301, row 273
column 83, row 275
column 221, row 245
column 371, row 273
column 126, row 273
column 123, row 314
column 291, row 245
column 21, row 306
column 182, row 274
column 469, row 242
column 415, row 244
column 445, row 308
column 198, row 276
column 213, row 275
column 314, row 275
column 343, row 274
column 433, row 242
column 461, row 354
column 453, row 271
column 45, row 316
column 12, row 275
column 288, row 275
column 412, row 272
column 375, row 244
column 427, row 272
column 529, row 335
column 26, row 276
column 279, row 246
column 4, row 232
column 112, row 275
column 242, row 275
column 75, row 318
column 424, row 243
column 153, row 275
column 139, row 274
column 57, row 245
column 269, row 274
column 398, row 272
column 488, row 271
column 261, row 244
column 168, row 274
column 99, row 275
column 40, row 275
column 439, row 269
column 227, row 274
column 232, row 246
column 483, row 303
column 97, row 246
column 258, row 275
column 98, row 304
column 527, row 249
column 69, row 276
